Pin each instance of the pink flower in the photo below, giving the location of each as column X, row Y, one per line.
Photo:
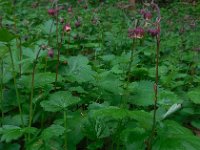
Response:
column 136, row 33
column 67, row 27
column 147, row 15
column 69, row 10
column 78, row 23
column 153, row 32
column 52, row 12
column 50, row 53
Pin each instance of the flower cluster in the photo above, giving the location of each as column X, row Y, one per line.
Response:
column 136, row 33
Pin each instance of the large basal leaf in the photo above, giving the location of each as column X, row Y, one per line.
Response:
column 41, row 80
column 194, row 95
column 59, row 101
column 52, row 131
column 171, row 135
column 133, row 138
column 5, row 35
column 10, row 132
column 143, row 93
column 106, row 121
column 78, row 69
column 110, row 82
column 4, row 50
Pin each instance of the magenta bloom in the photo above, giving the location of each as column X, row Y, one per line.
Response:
column 153, row 32
column 67, row 27
column 50, row 53
column 136, row 33
column 147, row 15
column 52, row 12
column 69, row 10
column 78, row 23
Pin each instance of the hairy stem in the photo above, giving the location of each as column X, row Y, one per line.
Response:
column 1, row 89
column 32, row 91
column 65, row 126
column 15, row 84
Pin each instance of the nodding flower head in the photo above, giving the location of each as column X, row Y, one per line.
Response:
column 78, row 23
column 69, row 10
column 153, row 32
column 147, row 15
column 67, row 27
column 52, row 12
column 142, row 11
column 136, row 33
column 50, row 53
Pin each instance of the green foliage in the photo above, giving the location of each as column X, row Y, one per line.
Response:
column 104, row 94
column 59, row 101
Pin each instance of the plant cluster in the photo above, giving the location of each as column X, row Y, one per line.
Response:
column 93, row 75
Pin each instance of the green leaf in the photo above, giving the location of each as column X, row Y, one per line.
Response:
column 6, row 36
column 133, row 138
column 194, row 95
column 171, row 135
column 52, row 131
column 59, row 101
column 4, row 50
column 143, row 93
column 41, row 80
column 79, row 70
column 10, row 132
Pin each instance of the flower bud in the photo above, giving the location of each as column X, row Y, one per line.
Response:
column 50, row 53
column 153, row 32
column 136, row 33
column 147, row 15
column 52, row 12
column 67, row 27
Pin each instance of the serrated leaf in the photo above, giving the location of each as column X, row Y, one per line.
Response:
column 5, row 35
column 175, row 137
column 10, row 132
column 143, row 93
column 194, row 95
column 52, row 131
column 41, row 80
column 59, row 101
column 79, row 70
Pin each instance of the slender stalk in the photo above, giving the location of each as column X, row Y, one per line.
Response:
column 32, row 91
column 65, row 126
column 57, row 43
column 58, row 57
column 15, row 84
column 130, row 62
column 1, row 89
column 20, row 56
column 153, row 132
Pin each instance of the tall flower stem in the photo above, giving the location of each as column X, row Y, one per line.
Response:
column 1, row 89
column 15, row 84
column 58, row 57
column 32, row 91
column 65, row 126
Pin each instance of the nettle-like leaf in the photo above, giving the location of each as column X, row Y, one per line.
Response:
column 194, row 95
column 4, row 50
column 133, row 138
column 52, row 131
column 110, row 82
column 171, row 135
column 6, row 36
column 78, row 69
column 59, row 101
column 10, row 132
column 41, row 80
column 107, row 121
column 143, row 93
